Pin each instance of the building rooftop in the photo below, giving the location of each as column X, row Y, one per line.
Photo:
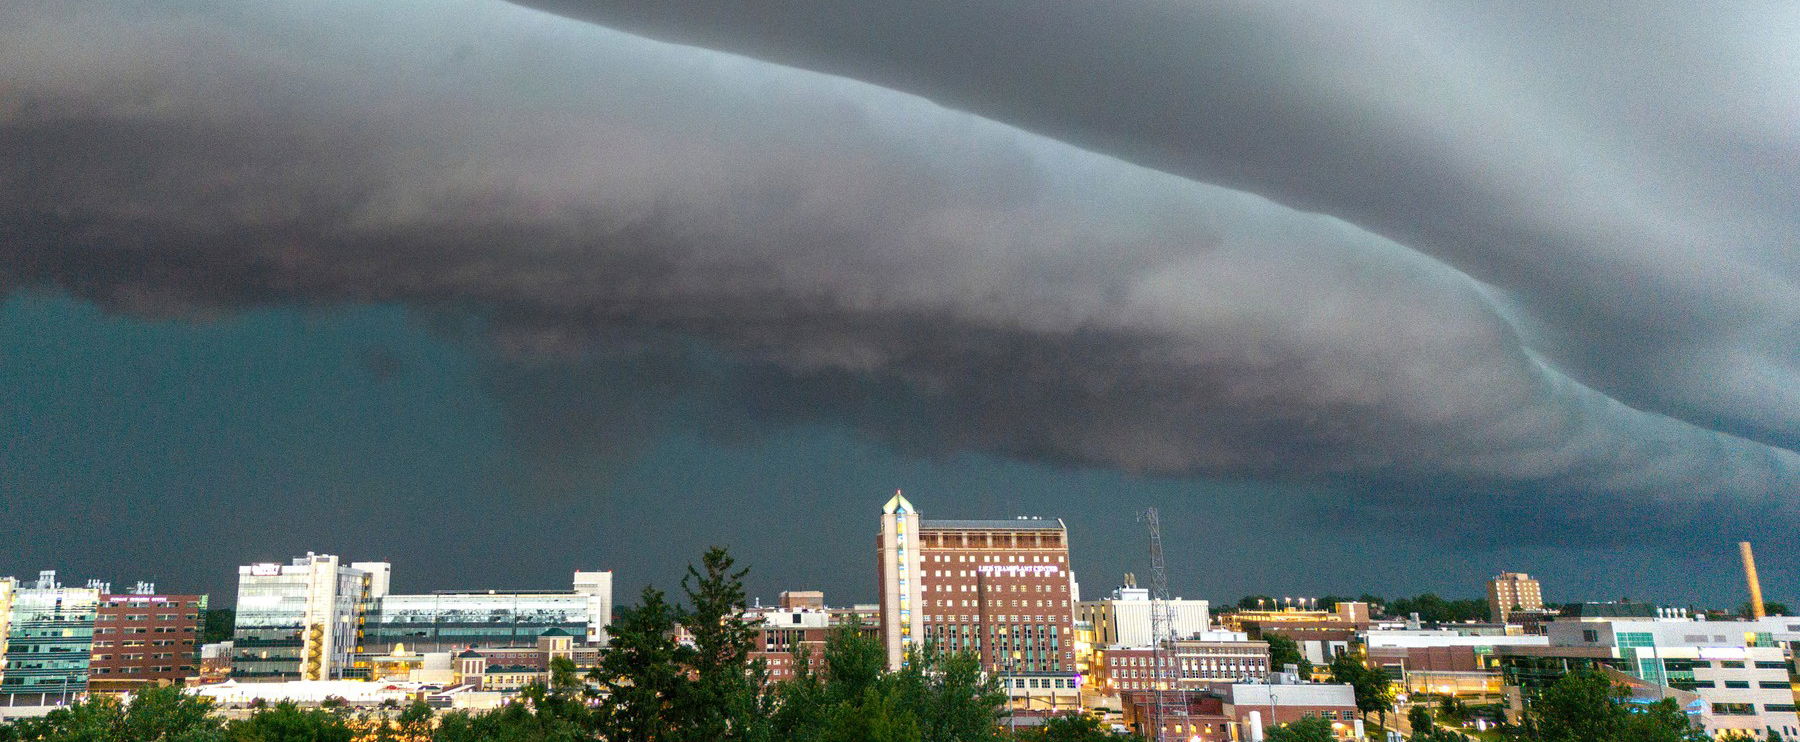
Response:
column 1017, row 524
column 1609, row 610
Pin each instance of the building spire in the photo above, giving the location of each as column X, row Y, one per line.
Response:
column 897, row 505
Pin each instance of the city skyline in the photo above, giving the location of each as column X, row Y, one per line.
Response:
column 1393, row 303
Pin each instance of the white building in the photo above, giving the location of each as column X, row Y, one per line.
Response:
column 1738, row 668
column 1123, row 620
column 301, row 620
column 597, row 587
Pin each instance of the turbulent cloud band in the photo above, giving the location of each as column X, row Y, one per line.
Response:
column 1626, row 177
column 1044, row 301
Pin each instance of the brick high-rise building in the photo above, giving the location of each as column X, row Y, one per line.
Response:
column 1001, row 588
column 1513, row 592
column 144, row 638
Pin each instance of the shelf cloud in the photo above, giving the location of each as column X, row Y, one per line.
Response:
column 1292, row 273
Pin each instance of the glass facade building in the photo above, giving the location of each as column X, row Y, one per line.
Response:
column 49, row 641
column 450, row 620
column 299, row 621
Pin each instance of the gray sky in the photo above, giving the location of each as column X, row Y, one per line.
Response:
column 1520, row 268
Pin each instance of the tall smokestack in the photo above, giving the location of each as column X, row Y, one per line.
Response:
column 1756, row 601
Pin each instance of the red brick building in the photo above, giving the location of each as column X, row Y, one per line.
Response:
column 145, row 639
column 1188, row 717
column 1000, row 588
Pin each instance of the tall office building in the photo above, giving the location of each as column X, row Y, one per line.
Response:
column 301, row 621
column 49, row 642
column 1001, row 588
column 1511, row 592
column 897, row 559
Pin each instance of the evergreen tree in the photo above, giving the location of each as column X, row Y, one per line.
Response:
column 642, row 674
column 724, row 703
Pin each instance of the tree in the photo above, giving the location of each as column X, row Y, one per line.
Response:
column 642, row 673
column 218, row 625
column 1419, row 717
column 1586, row 706
column 725, row 701
column 1453, row 708
column 1373, row 687
column 950, row 696
column 1313, row 729
column 1073, row 728
column 414, row 722
column 286, row 722
column 155, row 713
column 1284, row 651
column 1771, row 609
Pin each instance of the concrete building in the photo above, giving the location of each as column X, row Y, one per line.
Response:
column 1510, row 592
column 49, row 642
column 1002, row 588
column 1123, row 620
column 1737, row 669
column 145, row 638
column 302, row 620
column 597, row 586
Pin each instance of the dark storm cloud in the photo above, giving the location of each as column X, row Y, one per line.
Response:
column 1627, row 176
column 932, row 278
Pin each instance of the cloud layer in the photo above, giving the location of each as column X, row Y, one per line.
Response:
column 854, row 244
column 1626, row 178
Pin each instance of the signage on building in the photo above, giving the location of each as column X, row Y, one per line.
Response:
column 1019, row 569
column 265, row 570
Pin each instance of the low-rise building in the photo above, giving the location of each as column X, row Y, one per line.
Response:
column 1209, row 659
column 1256, row 706
column 1443, row 661
column 1738, row 669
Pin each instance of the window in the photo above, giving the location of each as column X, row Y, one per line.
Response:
column 1732, row 664
column 1771, row 665
column 1776, row 684
column 1734, row 709
column 1590, row 635
column 1737, row 683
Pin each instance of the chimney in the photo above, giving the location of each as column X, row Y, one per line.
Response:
column 1756, row 600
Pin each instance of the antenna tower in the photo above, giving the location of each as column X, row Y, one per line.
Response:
column 1165, row 680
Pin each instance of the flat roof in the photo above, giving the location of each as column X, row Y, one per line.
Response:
column 1019, row 524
